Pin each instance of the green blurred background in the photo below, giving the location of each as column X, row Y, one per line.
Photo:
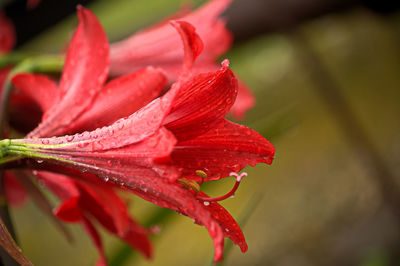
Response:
column 327, row 94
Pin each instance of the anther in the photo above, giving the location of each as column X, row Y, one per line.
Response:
column 202, row 174
column 230, row 193
column 189, row 184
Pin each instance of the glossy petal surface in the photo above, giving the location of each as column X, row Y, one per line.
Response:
column 85, row 70
column 201, row 102
column 226, row 148
column 229, row 226
column 120, row 98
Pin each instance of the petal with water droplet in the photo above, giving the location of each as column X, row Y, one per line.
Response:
column 120, row 98
column 85, row 70
column 225, row 148
column 201, row 102
column 229, row 226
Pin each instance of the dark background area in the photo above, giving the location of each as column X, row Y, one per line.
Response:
column 246, row 19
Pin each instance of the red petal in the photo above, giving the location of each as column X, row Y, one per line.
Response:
column 175, row 197
column 37, row 87
column 160, row 45
column 120, row 98
column 91, row 230
column 244, row 101
column 192, row 44
column 212, row 30
column 140, row 125
column 7, row 34
column 229, row 226
column 85, row 70
column 201, row 102
column 104, row 204
column 30, row 4
column 226, row 148
column 15, row 192
column 24, row 113
column 101, row 202
column 66, row 189
column 138, row 239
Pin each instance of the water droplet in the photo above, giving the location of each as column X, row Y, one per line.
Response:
column 34, row 172
column 206, row 203
column 83, row 144
column 39, row 161
column 106, row 179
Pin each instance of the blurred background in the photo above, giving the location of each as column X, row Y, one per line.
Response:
column 326, row 77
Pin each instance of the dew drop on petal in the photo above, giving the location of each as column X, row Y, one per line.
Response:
column 206, row 203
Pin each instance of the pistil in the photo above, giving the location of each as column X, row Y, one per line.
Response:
column 230, row 193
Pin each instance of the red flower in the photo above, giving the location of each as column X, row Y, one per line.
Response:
column 205, row 141
column 82, row 201
column 80, row 102
column 159, row 151
column 160, row 46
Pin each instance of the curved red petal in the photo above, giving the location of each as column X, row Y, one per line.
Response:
column 160, row 45
column 201, row 102
column 39, row 88
column 15, row 192
column 101, row 202
column 85, row 70
column 229, row 226
column 226, row 148
column 244, row 101
column 133, row 129
column 173, row 196
column 138, row 239
column 104, row 204
column 69, row 211
column 94, row 235
column 32, row 3
column 120, row 98
column 192, row 44
column 7, row 34
column 66, row 189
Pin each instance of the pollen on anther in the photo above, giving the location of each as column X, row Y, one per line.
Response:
column 201, row 173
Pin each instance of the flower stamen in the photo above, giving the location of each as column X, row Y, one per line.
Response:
column 202, row 174
column 230, row 193
column 189, row 184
